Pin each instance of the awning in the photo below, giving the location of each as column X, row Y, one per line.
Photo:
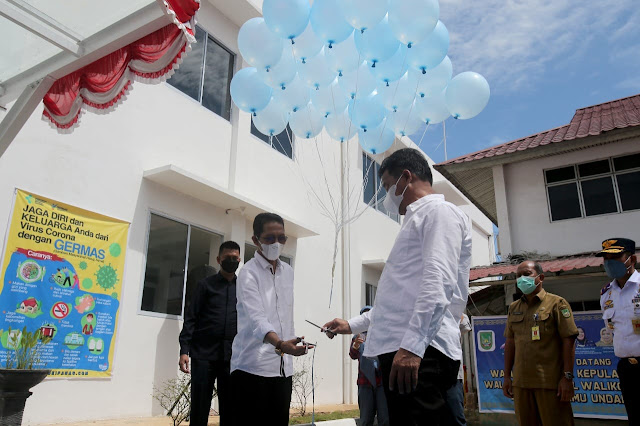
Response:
column 578, row 263
column 182, row 181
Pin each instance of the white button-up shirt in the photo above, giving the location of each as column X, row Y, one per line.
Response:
column 424, row 286
column 619, row 308
column 265, row 304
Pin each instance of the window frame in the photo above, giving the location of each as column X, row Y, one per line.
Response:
column 189, row 225
column 375, row 293
column 376, row 186
column 577, row 180
column 271, row 144
column 232, row 68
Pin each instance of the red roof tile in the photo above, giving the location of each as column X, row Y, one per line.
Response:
column 589, row 121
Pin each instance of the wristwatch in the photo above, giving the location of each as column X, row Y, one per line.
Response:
column 568, row 375
column 278, row 346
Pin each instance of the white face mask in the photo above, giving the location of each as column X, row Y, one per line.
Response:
column 392, row 201
column 272, row 251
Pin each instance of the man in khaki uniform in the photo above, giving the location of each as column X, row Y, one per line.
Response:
column 540, row 351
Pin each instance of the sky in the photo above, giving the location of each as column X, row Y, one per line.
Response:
column 543, row 60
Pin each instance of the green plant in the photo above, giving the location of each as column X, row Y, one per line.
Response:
column 25, row 348
column 302, row 386
column 174, row 396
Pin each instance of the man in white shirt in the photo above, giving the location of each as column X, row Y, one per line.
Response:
column 422, row 293
column 261, row 360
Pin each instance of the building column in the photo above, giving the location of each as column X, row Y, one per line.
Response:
column 237, row 229
column 502, row 208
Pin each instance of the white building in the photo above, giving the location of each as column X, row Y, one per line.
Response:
column 558, row 194
column 193, row 181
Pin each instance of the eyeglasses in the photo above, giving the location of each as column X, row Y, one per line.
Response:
column 271, row 239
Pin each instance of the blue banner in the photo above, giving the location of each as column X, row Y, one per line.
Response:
column 597, row 388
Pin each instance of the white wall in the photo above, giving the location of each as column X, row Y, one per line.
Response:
column 531, row 227
column 100, row 168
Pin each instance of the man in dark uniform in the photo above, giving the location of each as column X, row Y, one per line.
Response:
column 540, row 351
column 620, row 303
column 210, row 324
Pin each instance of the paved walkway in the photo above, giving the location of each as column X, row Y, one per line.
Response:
column 166, row 421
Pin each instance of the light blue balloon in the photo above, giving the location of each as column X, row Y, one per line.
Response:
column 281, row 73
column 398, row 94
column 306, row 45
column 307, row 122
column 344, row 56
column 467, row 94
column 315, row 71
column 393, row 68
column 404, row 121
column 431, row 51
column 328, row 23
column 377, row 140
column 330, row 100
column 363, row 14
column 366, row 113
column 376, row 44
column 258, row 45
column 358, row 83
column 435, row 80
column 286, row 18
column 413, row 20
column 272, row 120
column 433, row 109
column 294, row 97
column 340, row 128
column 249, row 92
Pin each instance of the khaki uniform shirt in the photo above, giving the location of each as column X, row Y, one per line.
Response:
column 538, row 363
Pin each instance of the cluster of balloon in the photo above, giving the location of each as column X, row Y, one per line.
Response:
column 375, row 68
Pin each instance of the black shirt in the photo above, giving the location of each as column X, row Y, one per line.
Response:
column 211, row 322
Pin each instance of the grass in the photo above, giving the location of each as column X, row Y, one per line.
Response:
column 336, row 415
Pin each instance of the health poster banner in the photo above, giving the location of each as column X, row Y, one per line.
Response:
column 596, row 385
column 62, row 274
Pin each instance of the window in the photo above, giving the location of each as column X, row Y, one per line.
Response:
column 373, row 191
column 594, row 188
column 370, row 294
column 172, row 248
column 205, row 74
column 283, row 143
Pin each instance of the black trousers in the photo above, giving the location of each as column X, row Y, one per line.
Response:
column 427, row 404
column 630, row 386
column 254, row 397
column 203, row 376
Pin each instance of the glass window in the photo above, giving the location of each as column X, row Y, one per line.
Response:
column 369, row 178
column 628, row 184
column 205, row 74
column 370, row 294
column 627, row 162
column 171, row 246
column 283, row 143
column 559, row 175
column 595, row 168
column 249, row 252
column 164, row 274
column 564, row 201
column 188, row 77
column 598, row 196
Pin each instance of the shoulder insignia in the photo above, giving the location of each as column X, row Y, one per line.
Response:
column 566, row 313
column 605, row 289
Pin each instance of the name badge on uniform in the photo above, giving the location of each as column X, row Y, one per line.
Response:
column 535, row 332
column 635, row 322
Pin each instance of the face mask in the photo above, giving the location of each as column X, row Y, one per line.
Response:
column 230, row 265
column 615, row 269
column 272, row 251
column 392, row 201
column 527, row 284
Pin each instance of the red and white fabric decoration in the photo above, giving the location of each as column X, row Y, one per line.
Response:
column 103, row 84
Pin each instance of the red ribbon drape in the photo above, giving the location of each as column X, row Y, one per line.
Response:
column 103, row 84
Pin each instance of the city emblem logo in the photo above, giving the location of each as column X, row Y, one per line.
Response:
column 487, row 341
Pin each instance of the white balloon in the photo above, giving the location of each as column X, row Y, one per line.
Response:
column 258, row 45
column 315, row 71
column 413, row 20
column 393, row 68
column 358, row 83
column 340, row 128
column 467, row 94
column 306, row 45
column 272, row 120
column 435, row 80
column 330, row 100
column 307, row 122
column 294, row 97
column 344, row 56
column 398, row 94
column 404, row 121
column 281, row 73
column 363, row 14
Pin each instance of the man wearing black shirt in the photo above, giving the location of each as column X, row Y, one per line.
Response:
column 210, row 324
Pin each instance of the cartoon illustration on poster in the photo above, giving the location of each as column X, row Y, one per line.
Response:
column 62, row 274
